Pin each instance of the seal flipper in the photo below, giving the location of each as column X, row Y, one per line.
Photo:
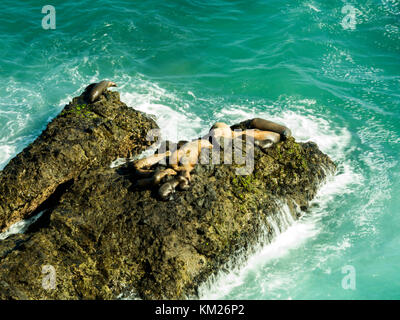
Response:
column 183, row 183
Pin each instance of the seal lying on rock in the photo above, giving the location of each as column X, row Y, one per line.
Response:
column 265, row 125
column 169, row 187
column 95, row 90
column 221, row 129
column 156, row 178
column 183, row 160
column 186, row 157
column 183, row 156
column 262, row 138
column 149, row 162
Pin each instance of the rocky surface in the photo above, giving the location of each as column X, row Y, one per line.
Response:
column 107, row 239
column 83, row 136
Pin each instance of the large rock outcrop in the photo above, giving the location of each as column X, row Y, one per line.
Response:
column 82, row 136
column 107, row 239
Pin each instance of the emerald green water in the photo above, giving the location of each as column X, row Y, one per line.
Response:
column 192, row 63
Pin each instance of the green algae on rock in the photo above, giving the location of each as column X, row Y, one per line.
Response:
column 82, row 136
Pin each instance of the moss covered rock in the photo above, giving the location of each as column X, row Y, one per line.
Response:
column 82, row 136
column 106, row 239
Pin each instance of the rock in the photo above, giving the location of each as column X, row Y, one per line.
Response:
column 106, row 239
column 83, row 136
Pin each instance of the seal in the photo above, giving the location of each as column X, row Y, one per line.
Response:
column 149, row 161
column 95, row 90
column 265, row 139
column 220, row 135
column 221, row 130
column 186, row 157
column 169, row 187
column 156, row 178
column 266, row 125
column 161, row 174
column 259, row 135
column 262, row 138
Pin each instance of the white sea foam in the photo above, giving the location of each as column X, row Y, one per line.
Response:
column 6, row 152
column 175, row 124
column 221, row 285
column 313, row 7
column 173, row 114
column 15, row 102
column 380, row 166
column 20, row 226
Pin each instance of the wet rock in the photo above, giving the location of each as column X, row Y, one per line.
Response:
column 107, row 239
column 82, row 136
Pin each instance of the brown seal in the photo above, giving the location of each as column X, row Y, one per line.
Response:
column 169, row 187
column 95, row 90
column 262, row 138
column 266, row 125
column 186, row 157
column 156, row 178
column 259, row 135
column 222, row 130
column 149, row 161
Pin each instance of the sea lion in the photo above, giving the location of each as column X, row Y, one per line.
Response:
column 259, row 135
column 156, row 178
column 162, row 173
column 184, row 183
column 169, row 187
column 266, row 125
column 186, row 157
column 95, row 90
column 219, row 125
column 262, row 138
column 218, row 134
column 149, row 161
column 222, row 130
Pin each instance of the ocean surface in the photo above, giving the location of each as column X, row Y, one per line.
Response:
column 330, row 70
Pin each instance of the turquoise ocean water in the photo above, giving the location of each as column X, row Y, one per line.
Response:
column 330, row 70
